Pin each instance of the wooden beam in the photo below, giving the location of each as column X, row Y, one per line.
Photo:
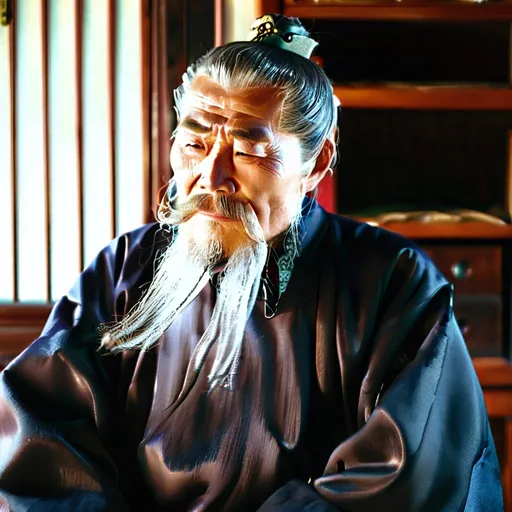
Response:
column 268, row 7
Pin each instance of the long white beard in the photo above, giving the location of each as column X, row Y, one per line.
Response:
column 181, row 274
column 237, row 294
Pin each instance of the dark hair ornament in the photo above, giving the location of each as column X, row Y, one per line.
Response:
column 283, row 32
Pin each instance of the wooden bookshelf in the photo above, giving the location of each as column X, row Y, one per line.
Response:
column 460, row 231
column 424, row 97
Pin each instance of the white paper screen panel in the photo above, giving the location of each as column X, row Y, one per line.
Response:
column 128, row 93
column 98, row 151
column 65, row 261
column 7, row 268
column 31, row 196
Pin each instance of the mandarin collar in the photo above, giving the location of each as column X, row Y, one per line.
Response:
column 281, row 264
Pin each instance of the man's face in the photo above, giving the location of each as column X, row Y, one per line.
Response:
column 228, row 142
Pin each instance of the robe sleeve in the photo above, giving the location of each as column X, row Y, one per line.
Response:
column 58, row 400
column 422, row 440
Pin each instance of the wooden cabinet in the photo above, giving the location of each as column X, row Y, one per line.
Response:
column 476, row 273
column 473, row 269
column 426, row 126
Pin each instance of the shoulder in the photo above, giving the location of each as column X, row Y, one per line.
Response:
column 111, row 281
column 381, row 255
column 147, row 238
column 119, row 270
column 129, row 252
column 361, row 235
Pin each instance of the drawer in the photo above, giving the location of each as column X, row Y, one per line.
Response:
column 471, row 269
column 480, row 321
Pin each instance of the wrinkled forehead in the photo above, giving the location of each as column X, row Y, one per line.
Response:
column 210, row 97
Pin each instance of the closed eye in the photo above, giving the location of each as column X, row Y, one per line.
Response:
column 242, row 154
column 196, row 146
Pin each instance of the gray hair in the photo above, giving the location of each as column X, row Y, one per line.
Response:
column 309, row 109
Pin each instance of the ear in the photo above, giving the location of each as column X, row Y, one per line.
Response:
column 322, row 166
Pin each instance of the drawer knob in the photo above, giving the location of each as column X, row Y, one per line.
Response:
column 462, row 270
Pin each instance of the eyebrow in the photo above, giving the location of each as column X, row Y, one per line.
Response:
column 256, row 134
column 195, row 126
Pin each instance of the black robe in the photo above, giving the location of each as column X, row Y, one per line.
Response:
column 358, row 395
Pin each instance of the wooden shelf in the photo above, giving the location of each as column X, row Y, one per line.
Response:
column 20, row 325
column 14, row 340
column 425, row 97
column 493, row 371
column 26, row 315
column 460, row 11
column 463, row 230
column 498, row 402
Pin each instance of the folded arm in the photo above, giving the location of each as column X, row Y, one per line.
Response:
column 418, row 433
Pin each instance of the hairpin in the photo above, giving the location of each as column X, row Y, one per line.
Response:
column 283, row 32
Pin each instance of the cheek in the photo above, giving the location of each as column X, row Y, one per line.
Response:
column 183, row 170
column 176, row 159
column 267, row 188
column 277, row 203
column 287, row 200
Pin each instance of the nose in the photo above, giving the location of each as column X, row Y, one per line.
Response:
column 217, row 172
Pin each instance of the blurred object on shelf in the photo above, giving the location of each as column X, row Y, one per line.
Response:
column 434, row 216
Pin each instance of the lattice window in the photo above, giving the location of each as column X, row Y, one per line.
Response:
column 73, row 168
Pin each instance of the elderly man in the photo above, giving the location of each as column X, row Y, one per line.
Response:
column 250, row 351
